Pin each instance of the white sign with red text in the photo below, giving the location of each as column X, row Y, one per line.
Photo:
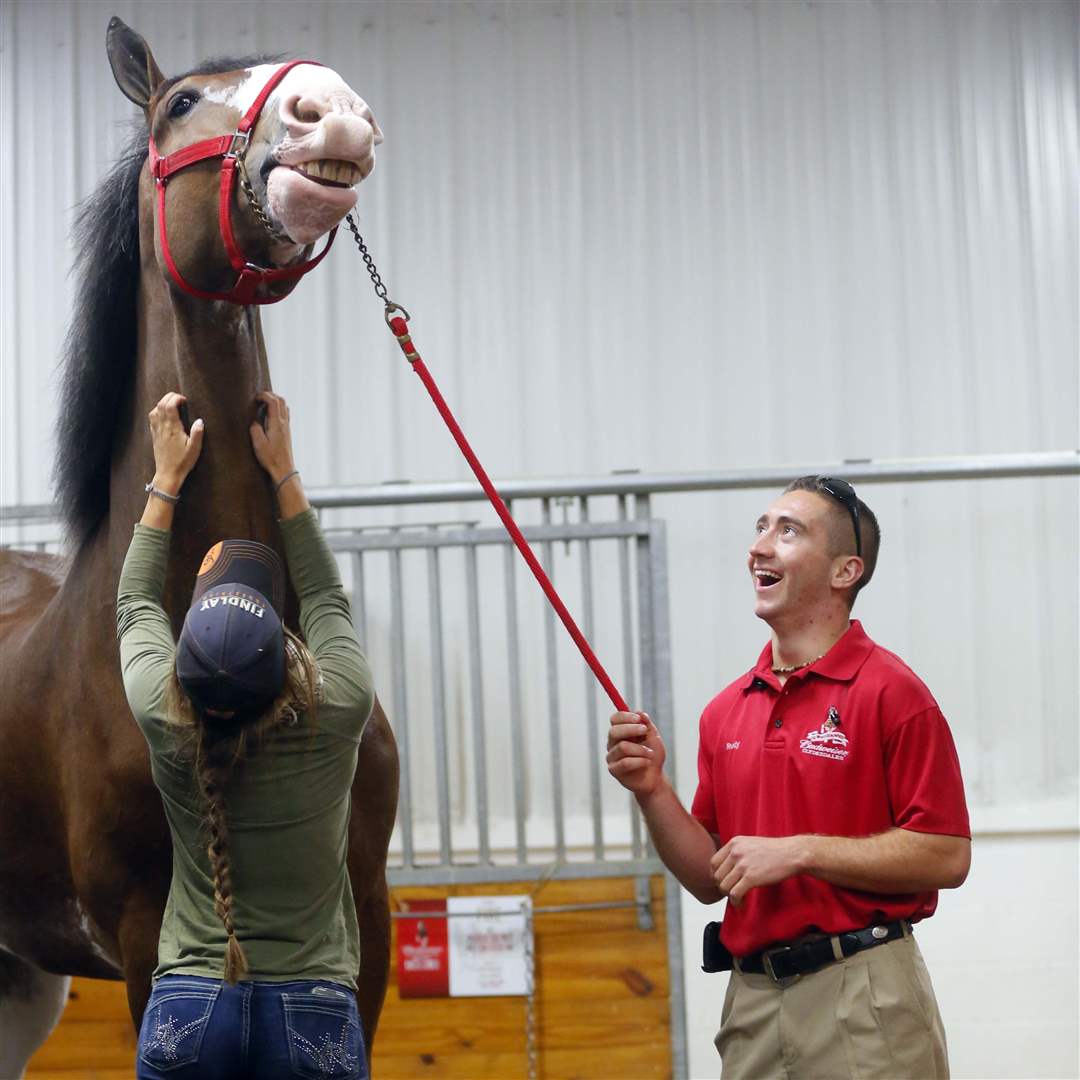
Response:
column 487, row 945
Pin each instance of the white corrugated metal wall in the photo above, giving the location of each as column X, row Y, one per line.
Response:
column 668, row 236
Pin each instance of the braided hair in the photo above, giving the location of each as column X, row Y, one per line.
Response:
column 216, row 748
column 215, row 756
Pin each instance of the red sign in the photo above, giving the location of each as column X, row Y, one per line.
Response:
column 423, row 967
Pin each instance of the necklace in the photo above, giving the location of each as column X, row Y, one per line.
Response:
column 795, row 667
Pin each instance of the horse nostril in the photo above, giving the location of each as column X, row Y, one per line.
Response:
column 306, row 109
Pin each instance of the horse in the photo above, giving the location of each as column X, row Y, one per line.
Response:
column 172, row 266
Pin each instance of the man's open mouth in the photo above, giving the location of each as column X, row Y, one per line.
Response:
column 766, row 579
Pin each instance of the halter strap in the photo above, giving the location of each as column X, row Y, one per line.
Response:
column 228, row 148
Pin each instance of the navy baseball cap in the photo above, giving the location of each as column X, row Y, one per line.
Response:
column 231, row 653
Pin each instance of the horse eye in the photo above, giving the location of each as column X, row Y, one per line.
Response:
column 181, row 104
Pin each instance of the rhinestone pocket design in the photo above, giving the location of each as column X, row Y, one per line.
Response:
column 167, row 1037
column 328, row 1054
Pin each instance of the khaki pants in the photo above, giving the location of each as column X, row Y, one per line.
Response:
column 870, row 1015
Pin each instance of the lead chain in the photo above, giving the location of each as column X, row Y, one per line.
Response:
column 369, row 262
column 256, row 209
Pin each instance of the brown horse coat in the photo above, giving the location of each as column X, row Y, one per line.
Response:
column 84, row 848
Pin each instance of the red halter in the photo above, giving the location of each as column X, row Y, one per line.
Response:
column 229, row 148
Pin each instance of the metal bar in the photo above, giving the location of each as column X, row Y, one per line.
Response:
column 433, row 537
column 551, row 909
column 513, row 654
column 870, row 471
column 613, row 905
column 553, row 700
column 592, row 735
column 646, row 658
column 645, row 615
column 476, row 678
column 438, row 703
column 680, row 1063
column 643, row 892
column 401, row 705
column 662, row 693
column 359, row 598
column 663, row 699
column 629, row 674
column 881, row 471
column 459, row 874
column 415, row 524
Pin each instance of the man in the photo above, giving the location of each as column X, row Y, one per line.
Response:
column 829, row 811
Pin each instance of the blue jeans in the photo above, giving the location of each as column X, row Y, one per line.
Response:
column 195, row 1027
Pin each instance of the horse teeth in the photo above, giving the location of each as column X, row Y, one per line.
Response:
column 338, row 172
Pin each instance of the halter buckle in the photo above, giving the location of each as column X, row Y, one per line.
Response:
column 237, row 152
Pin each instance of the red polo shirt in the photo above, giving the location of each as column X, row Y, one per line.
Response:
column 851, row 746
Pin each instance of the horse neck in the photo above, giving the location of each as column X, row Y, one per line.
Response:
column 214, row 354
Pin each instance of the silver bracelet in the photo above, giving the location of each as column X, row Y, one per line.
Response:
column 285, row 479
column 163, row 495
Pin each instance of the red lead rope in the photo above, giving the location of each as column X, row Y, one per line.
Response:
column 400, row 328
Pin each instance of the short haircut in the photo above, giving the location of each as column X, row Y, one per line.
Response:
column 842, row 530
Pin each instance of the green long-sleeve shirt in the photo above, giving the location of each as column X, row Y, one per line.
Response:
column 286, row 806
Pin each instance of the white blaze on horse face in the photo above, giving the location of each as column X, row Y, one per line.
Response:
column 242, row 95
column 322, row 138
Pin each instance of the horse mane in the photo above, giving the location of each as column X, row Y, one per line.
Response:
column 97, row 372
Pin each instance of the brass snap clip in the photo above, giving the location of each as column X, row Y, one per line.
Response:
column 404, row 340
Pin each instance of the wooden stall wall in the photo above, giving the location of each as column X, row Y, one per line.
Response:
column 94, row 1039
column 602, row 1005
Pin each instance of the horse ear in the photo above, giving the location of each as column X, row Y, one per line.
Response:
column 133, row 64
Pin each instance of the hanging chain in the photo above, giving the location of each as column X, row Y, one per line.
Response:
column 256, row 209
column 531, row 1053
column 369, row 262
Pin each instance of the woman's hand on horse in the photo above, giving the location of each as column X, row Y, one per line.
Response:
column 175, row 451
column 273, row 444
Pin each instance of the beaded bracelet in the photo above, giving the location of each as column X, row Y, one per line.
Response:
column 163, row 495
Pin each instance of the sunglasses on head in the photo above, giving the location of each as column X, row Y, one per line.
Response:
column 844, row 494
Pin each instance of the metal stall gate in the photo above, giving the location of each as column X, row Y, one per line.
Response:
column 501, row 726
column 498, row 721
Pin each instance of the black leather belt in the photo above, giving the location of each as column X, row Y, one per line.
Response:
column 788, row 961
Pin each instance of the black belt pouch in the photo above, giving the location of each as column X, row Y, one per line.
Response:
column 714, row 954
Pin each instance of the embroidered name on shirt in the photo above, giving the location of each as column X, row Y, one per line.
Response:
column 827, row 741
column 733, row 745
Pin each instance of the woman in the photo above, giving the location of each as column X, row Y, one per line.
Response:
column 253, row 740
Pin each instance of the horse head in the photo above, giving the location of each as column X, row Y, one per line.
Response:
column 298, row 139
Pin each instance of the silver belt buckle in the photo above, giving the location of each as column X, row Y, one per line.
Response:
column 766, row 963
